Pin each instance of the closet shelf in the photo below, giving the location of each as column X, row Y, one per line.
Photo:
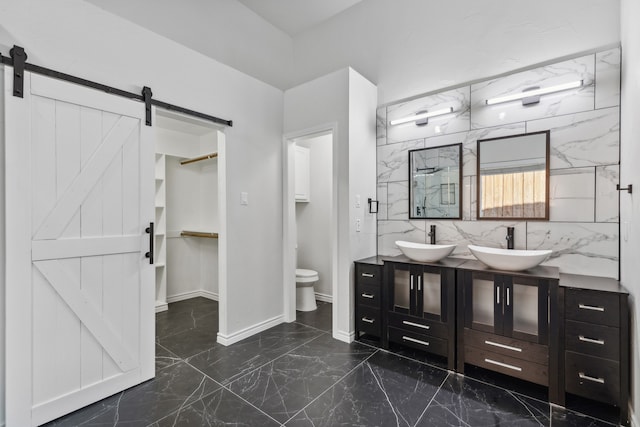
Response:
column 186, row 233
column 197, row 159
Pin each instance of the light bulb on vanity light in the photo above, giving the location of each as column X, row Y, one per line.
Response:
column 421, row 116
column 535, row 92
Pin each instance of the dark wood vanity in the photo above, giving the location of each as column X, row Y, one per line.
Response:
column 569, row 333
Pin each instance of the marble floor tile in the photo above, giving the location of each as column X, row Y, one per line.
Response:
column 185, row 315
column 561, row 417
column 165, row 358
column 320, row 318
column 464, row 401
column 286, row 385
column 222, row 408
column 193, row 340
column 224, row 364
column 174, row 387
column 386, row 390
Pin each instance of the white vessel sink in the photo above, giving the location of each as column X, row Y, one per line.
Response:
column 423, row 252
column 509, row 259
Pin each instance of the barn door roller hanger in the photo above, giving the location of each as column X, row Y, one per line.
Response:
column 18, row 60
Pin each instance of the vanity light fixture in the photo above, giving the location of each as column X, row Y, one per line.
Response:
column 532, row 95
column 421, row 117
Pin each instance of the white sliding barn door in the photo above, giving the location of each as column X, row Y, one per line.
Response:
column 79, row 290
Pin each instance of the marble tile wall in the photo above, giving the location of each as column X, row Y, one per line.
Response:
column 583, row 226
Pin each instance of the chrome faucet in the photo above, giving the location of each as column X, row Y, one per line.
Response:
column 510, row 239
column 432, row 234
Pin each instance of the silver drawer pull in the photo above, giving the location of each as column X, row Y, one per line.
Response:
column 367, row 296
column 417, row 325
column 367, row 275
column 590, row 340
column 366, row 319
column 504, row 365
column 588, row 378
column 506, row 347
column 414, row 340
column 590, row 307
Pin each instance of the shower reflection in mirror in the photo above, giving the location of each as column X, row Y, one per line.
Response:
column 435, row 175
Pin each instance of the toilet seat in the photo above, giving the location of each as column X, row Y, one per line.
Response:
column 305, row 276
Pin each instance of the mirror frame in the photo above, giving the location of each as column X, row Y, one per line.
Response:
column 547, row 174
column 460, row 183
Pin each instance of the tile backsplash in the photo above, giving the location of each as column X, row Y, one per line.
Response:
column 584, row 124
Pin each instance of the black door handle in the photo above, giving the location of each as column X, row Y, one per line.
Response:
column 149, row 254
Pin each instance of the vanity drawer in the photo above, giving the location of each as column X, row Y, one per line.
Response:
column 595, row 340
column 368, row 295
column 369, row 274
column 592, row 377
column 512, row 366
column 369, row 321
column 419, row 341
column 418, row 325
column 601, row 308
column 507, row 346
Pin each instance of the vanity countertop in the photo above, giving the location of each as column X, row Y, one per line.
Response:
column 540, row 271
column 451, row 262
column 595, row 283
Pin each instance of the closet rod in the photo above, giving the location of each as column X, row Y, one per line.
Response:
column 20, row 62
column 186, row 233
column 197, row 159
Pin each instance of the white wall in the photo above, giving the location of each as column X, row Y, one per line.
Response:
column 630, row 157
column 75, row 37
column 192, row 262
column 223, row 29
column 416, row 46
column 313, row 218
column 343, row 99
column 2, row 250
column 362, row 183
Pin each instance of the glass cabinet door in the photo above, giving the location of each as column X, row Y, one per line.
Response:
column 402, row 289
column 430, row 293
column 527, row 307
column 483, row 302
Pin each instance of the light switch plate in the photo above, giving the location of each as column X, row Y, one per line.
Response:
column 244, row 198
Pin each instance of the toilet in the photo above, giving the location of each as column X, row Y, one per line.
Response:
column 305, row 294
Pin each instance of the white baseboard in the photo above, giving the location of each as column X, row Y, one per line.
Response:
column 249, row 331
column 160, row 307
column 343, row 336
column 324, row 297
column 192, row 294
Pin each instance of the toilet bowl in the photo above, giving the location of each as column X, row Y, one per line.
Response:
column 305, row 294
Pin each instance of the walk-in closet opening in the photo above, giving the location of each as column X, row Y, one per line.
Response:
column 188, row 208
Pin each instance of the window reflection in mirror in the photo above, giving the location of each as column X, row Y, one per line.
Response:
column 435, row 175
column 513, row 177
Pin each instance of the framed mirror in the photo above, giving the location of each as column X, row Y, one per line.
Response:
column 513, row 177
column 435, row 175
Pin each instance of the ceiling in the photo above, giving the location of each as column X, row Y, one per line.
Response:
column 296, row 16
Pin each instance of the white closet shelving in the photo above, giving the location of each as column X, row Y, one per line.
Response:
column 186, row 209
column 161, row 234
